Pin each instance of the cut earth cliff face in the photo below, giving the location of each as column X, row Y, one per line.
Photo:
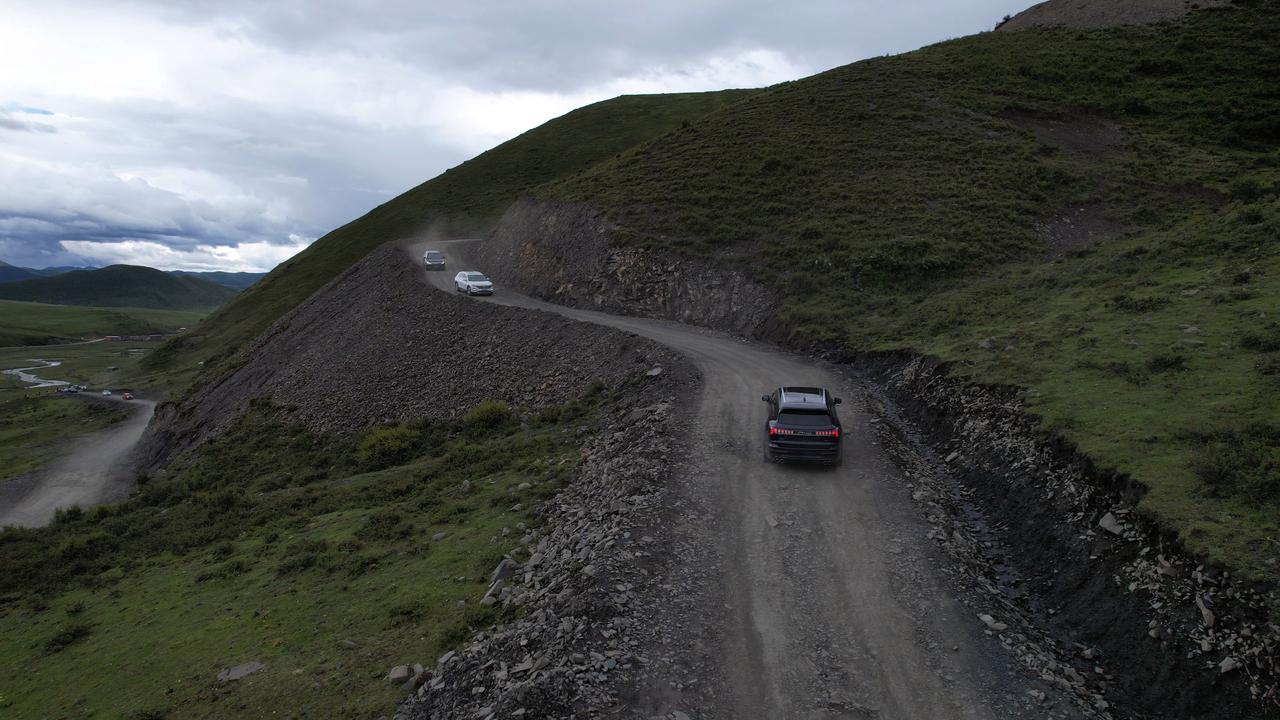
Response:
column 564, row 253
column 1167, row 636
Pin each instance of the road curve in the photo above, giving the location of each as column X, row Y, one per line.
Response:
column 92, row 472
column 833, row 606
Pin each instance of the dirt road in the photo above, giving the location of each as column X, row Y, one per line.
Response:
column 92, row 472
column 826, row 602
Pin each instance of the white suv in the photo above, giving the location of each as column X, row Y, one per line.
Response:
column 472, row 283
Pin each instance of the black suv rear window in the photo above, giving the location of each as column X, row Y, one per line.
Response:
column 807, row 418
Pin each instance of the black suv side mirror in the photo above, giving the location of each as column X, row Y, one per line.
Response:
column 765, row 398
column 838, row 401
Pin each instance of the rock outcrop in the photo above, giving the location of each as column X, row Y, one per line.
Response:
column 565, row 253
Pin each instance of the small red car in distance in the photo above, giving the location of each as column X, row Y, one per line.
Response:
column 127, row 396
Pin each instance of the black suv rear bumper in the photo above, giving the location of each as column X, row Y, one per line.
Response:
column 804, row 451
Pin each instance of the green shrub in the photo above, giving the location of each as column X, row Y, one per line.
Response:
column 302, row 555
column 1167, row 363
column 1129, row 304
column 385, row 525
column 1239, row 462
column 87, row 547
column 67, row 515
column 488, row 415
column 1266, row 341
column 388, row 446
column 67, row 636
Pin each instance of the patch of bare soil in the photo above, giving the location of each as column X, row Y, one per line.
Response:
column 1083, row 134
column 1075, row 228
column 1095, row 14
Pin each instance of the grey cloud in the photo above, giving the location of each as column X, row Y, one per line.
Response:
column 8, row 122
column 261, row 175
column 567, row 45
column 295, row 175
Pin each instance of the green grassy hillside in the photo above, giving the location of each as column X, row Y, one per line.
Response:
column 463, row 201
column 27, row 323
column 328, row 559
column 233, row 280
column 1091, row 216
column 121, row 286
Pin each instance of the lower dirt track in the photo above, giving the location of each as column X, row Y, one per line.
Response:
column 827, row 601
column 91, row 472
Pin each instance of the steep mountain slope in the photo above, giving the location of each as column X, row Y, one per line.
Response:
column 464, row 200
column 1089, row 216
column 121, row 286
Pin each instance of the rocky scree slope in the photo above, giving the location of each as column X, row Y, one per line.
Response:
column 378, row 345
column 574, row 589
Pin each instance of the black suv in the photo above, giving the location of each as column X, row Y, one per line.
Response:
column 802, row 425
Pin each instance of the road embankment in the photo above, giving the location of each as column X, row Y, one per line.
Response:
column 1174, row 637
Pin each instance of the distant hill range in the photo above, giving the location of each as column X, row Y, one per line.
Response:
column 234, row 280
column 121, row 286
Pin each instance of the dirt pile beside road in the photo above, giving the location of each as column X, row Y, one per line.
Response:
column 1096, row 14
column 377, row 345
column 576, row 583
column 562, row 253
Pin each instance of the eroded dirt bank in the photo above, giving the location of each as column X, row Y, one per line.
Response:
column 1167, row 636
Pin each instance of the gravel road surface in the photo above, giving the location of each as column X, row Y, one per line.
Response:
column 825, row 600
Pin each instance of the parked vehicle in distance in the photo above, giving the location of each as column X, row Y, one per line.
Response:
column 106, row 392
column 433, row 259
column 127, row 396
column 802, row 425
column 472, row 283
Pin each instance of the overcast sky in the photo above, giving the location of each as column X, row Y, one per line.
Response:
column 228, row 134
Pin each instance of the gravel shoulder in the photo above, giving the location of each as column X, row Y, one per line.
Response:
column 787, row 591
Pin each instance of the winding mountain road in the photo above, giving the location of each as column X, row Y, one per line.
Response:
column 828, row 601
